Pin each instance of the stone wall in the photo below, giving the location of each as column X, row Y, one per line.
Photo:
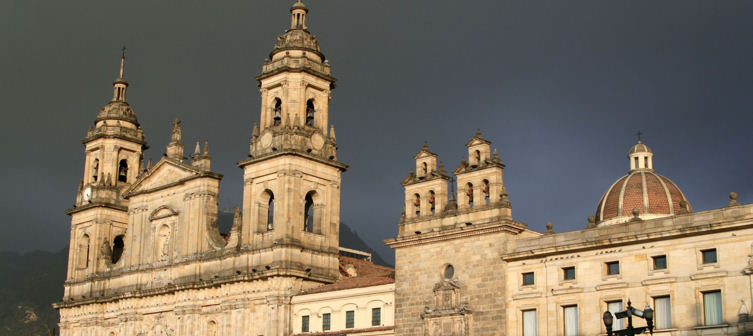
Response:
column 479, row 276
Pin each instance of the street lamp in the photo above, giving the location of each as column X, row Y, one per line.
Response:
column 647, row 314
column 608, row 322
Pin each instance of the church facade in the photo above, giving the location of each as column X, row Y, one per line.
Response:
column 464, row 266
column 147, row 258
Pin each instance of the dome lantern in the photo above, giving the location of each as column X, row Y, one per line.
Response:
column 641, row 157
column 298, row 15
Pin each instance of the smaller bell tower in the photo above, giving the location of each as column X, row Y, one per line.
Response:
column 480, row 182
column 426, row 188
column 113, row 149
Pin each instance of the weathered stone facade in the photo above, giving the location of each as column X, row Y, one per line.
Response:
column 146, row 254
column 438, row 234
column 468, row 268
column 682, row 278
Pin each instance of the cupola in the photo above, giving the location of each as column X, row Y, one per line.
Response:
column 641, row 194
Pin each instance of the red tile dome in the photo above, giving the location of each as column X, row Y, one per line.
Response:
column 650, row 194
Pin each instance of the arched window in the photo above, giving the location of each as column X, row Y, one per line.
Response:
column 95, row 170
column 83, row 251
column 308, row 213
column 478, row 157
column 425, row 169
column 417, row 204
column 310, row 112
column 212, row 328
column 163, row 242
column 123, row 171
column 117, row 248
column 469, row 193
column 277, row 118
column 486, row 191
column 432, row 200
column 271, row 212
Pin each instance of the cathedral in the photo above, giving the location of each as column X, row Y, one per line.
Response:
column 146, row 256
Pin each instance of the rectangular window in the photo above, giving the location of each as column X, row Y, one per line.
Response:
column 662, row 312
column 712, row 308
column 326, row 321
column 571, row 320
column 660, row 262
column 376, row 316
column 529, row 322
column 615, row 307
column 350, row 319
column 708, row 256
column 528, row 279
column 305, row 323
column 568, row 273
column 613, row 267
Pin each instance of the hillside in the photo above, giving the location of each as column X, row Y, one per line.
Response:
column 29, row 285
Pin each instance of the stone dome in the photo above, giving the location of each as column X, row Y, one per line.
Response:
column 117, row 110
column 299, row 5
column 297, row 39
column 650, row 194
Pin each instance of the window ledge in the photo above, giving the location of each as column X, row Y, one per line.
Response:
column 702, row 266
column 665, row 330
column 712, row 326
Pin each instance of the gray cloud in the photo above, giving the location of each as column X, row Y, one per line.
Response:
column 560, row 88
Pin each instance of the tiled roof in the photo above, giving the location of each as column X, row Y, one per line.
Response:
column 367, row 274
column 644, row 190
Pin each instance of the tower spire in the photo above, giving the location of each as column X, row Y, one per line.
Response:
column 122, row 62
column 175, row 147
column 120, row 84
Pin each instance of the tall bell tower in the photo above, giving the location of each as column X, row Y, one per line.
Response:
column 113, row 154
column 291, row 194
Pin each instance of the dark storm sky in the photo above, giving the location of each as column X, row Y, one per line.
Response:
column 559, row 87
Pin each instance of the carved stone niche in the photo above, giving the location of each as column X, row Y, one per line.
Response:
column 447, row 315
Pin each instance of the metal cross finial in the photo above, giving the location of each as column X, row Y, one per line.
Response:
column 123, row 55
column 639, row 135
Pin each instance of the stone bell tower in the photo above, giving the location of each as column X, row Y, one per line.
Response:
column 291, row 194
column 454, row 244
column 113, row 148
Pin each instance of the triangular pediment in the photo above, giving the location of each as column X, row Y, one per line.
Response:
column 424, row 152
column 164, row 174
column 477, row 141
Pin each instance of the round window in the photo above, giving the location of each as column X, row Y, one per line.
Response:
column 449, row 272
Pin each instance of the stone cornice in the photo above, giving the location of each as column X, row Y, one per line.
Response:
column 209, row 283
column 336, row 164
column 487, row 164
column 198, row 257
column 687, row 225
column 461, row 232
column 116, row 136
column 96, row 205
column 412, row 179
